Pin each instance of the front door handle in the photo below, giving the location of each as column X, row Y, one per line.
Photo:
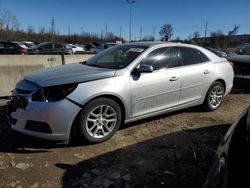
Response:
column 174, row 78
column 206, row 71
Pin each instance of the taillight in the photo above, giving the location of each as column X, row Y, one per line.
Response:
column 231, row 63
column 22, row 50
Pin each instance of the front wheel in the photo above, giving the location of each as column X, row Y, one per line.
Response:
column 99, row 120
column 214, row 96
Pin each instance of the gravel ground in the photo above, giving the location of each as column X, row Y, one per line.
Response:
column 172, row 150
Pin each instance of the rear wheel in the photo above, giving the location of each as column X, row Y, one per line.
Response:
column 99, row 120
column 214, row 96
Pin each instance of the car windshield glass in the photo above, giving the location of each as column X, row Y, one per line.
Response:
column 116, row 57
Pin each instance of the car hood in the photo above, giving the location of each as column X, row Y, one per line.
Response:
column 67, row 74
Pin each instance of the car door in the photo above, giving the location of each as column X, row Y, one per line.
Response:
column 157, row 90
column 2, row 48
column 58, row 48
column 46, row 48
column 196, row 74
column 9, row 48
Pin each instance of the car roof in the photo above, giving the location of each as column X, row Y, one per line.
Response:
column 8, row 42
column 160, row 43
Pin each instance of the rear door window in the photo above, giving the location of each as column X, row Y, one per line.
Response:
column 9, row 46
column 1, row 45
column 48, row 46
column 58, row 46
column 190, row 56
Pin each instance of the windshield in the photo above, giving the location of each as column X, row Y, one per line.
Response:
column 116, row 57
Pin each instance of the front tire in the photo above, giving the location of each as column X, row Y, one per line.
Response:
column 214, row 96
column 99, row 120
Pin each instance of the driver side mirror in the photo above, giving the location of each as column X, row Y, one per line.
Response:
column 144, row 68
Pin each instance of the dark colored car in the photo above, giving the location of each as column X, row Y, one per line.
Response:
column 244, row 49
column 12, row 48
column 217, row 52
column 231, row 164
column 241, row 66
column 51, row 48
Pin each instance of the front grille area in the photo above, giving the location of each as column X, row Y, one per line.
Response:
column 38, row 126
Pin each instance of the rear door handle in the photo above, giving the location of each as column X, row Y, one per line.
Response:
column 206, row 71
column 174, row 78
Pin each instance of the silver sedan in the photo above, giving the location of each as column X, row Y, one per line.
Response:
column 122, row 84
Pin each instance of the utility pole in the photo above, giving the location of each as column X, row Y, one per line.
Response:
column 52, row 28
column 53, row 25
column 154, row 32
column 206, row 30
column 68, row 30
column 140, row 32
column 130, row 5
column 106, row 30
column 120, row 32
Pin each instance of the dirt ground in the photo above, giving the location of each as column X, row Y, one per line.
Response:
column 172, row 150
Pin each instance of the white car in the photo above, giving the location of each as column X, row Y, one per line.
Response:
column 77, row 49
column 29, row 44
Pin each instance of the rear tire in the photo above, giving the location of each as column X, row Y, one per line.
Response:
column 99, row 120
column 214, row 97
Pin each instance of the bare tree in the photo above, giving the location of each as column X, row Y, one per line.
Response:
column 196, row 34
column 196, row 38
column 234, row 31
column 15, row 24
column 42, row 30
column 8, row 20
column 30, row 29
column 218, row 40
column 166, row 32
column 1, row 24
column 148, row 38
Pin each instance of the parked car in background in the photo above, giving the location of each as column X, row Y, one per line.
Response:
column 92, row 45
column 244, row 49
column 77, row 49
column 29, row 44
column 231, row 164
column 241, row 65
column 12, row 48
column 217, row 52
column 121, row 84
column 102, row 47
column 51, row 48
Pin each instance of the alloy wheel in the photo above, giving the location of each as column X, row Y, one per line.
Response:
column 101, row 121
column 216, row 96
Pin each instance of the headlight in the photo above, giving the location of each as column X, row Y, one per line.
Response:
column 53, row 93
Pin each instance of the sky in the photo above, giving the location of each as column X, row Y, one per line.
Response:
column 96, row 16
